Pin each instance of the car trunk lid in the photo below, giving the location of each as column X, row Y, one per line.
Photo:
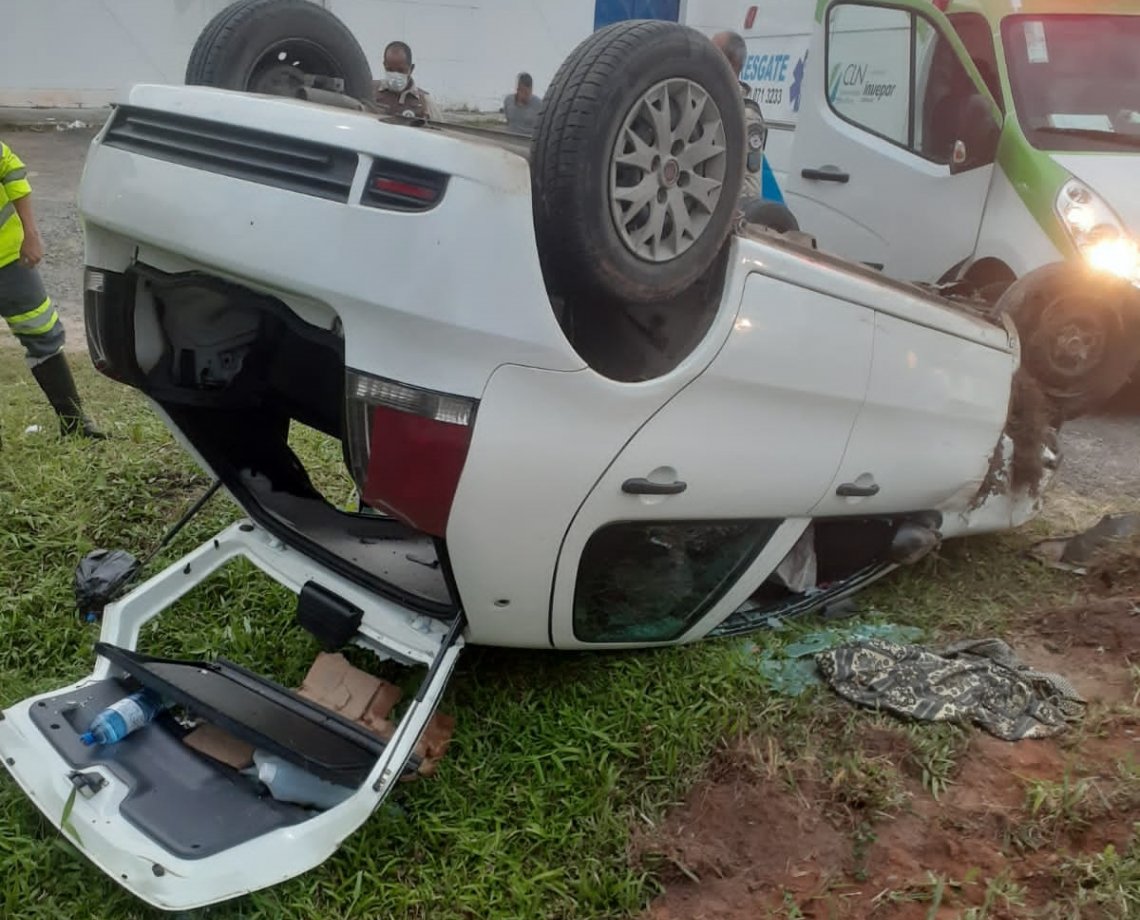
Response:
column 181, row 830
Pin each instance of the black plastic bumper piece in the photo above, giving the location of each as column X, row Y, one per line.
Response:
column 330, row 619
column 266, row 715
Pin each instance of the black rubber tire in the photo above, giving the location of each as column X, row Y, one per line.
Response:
column 585, row 107
column 236, row 38
column 771, row 214
column 1115, row 307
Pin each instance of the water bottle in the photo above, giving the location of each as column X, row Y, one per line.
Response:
column 289, row 783
column 120, row 719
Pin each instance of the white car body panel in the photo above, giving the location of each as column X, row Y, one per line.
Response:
column 442, row 325
column 522, row 440
column 129, row 856
column 939, row 390
column 810, row 373
column 759, row 435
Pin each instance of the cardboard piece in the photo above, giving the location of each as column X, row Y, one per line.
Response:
column 336, row 685
column 435, row 742
column 220, row 746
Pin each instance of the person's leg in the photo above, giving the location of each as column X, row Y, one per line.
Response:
column 32, row 317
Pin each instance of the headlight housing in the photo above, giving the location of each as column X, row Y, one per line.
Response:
column 1098, row 233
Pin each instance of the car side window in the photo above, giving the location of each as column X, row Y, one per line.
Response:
column 869, row 51
column 651, row 581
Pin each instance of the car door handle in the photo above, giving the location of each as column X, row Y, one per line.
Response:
column 645, row 487
column 854, row 490
column 826, row 174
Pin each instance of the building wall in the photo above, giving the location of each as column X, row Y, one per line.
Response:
column 67, row 53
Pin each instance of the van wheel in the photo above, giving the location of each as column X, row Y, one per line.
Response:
column 637, row 162
column 276, row 47
column 1080, row 334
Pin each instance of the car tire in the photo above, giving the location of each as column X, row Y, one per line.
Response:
column 619, row 210
column 1079, row 331
column 270, row 46
column 771, row 214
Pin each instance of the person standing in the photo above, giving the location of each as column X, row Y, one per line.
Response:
column 523, row 107
column 735, row 50
column 397, row 92
column 24, row 303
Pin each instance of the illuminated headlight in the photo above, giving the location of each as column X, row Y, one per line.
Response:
column 1118, row 256
column 1098, row 233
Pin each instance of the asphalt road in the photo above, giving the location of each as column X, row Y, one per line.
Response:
column 1101, row 455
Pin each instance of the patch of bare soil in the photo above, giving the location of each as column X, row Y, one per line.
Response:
column 1094, row 641
column 751, row 841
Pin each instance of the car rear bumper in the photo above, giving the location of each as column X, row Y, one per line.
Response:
column 427, row 298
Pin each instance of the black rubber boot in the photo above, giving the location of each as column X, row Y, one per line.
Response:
column 54, row 378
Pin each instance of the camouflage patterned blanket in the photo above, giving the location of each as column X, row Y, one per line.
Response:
column 979, row 681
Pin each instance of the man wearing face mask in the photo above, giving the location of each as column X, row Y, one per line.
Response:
column 397, row 93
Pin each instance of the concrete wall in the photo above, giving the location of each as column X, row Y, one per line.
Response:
column 68, row 53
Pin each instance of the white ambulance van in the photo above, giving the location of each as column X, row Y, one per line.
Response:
column 972, row 140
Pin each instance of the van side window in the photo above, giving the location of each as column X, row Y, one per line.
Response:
column 948, row 105
column 868, row 66
column 978, row 38
column 893, row 73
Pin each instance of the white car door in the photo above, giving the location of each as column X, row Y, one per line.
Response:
column 894, row 151
column 710, row 494
column 935, row 409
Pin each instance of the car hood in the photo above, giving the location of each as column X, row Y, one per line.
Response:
column 1113, row 177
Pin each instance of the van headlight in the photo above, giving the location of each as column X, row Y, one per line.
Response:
column 1098, row 233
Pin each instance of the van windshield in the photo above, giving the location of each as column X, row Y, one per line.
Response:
column 1076, row 80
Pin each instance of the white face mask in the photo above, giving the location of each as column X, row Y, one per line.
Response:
column 396, row 82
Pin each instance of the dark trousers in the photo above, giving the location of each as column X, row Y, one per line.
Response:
column 29, row 312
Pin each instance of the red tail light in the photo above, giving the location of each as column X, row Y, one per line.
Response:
column 403, row 187
column 750, row 18
column 407, row 447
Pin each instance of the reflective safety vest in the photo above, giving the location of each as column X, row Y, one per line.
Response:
column 13, row 186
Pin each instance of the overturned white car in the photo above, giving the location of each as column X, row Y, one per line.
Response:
column 586, row 408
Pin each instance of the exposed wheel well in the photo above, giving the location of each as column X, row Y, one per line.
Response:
column 987, row 271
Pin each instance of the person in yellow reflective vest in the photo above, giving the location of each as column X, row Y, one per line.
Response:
column 25, row 305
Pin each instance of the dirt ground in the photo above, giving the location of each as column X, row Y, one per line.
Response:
column 1012, row 836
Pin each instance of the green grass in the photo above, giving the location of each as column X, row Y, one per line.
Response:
column 1106, row 884
column 556, row 756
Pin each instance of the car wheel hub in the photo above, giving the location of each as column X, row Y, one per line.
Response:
column 1078, row 346
column 286, row 66
column 667, row 170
